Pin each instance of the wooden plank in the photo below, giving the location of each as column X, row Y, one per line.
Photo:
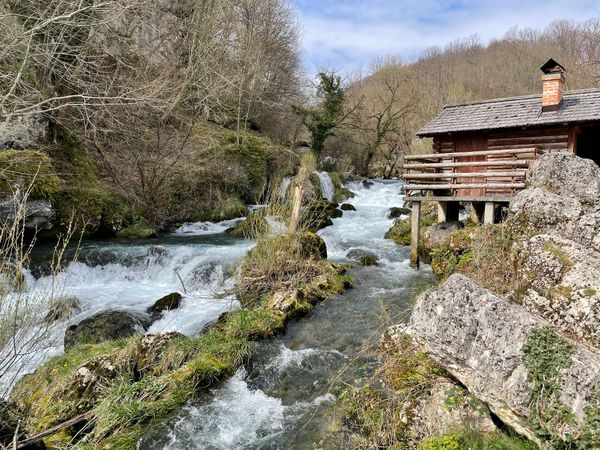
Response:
column 469, row 154
column 432, row 176
column 507, row 163
column 464, row 186
column 461, row 198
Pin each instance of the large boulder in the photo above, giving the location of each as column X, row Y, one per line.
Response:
column 448, row 407
column 102, row 327
column 568, row 176
column 561, row 282
column 541, row 384
column 436, row 234
column 563, row 197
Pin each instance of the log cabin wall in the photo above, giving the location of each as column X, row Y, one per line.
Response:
column 554, row 139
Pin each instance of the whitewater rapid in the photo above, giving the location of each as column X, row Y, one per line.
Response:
column 285, row 397
column 197, row 260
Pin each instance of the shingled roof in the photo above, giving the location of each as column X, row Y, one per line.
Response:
column 514, row 112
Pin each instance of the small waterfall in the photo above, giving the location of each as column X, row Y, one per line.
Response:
column 326, row 185
column 283, row 187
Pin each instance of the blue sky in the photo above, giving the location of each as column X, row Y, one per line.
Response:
column 349, row 35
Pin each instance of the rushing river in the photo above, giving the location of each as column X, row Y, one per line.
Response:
column 283, row 398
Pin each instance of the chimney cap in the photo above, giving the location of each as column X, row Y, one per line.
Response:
column 552, row 66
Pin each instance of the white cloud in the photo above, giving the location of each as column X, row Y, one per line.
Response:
column 350, row 34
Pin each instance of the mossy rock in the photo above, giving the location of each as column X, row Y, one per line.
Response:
column 342, row 194
column 230, row 208
column 318, row 214
column 312, row 246
column 255, row 225
column 141, row 229
column 364, row 257
column 166, row 303
column 399, row 232
column 25, row 169
column 102, row 327
column 62, row 309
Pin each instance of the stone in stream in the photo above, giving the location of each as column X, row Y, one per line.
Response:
column 499, row 351
column 367, row 183
column 395, row 212
column 347, row 207
column 166, row 303
column 365, row 257
column 102, row 327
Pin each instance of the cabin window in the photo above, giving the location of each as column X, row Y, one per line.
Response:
column 588, row 143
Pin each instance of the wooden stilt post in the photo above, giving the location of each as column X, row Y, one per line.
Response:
column 442, row 212
column 415, row 222
column 488, row 213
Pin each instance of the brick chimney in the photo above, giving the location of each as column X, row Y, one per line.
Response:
column 553, row 84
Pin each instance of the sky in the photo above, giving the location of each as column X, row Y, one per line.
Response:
column 349, row 35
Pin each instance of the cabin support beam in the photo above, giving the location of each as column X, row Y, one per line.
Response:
column 415, row 223
column 488, row 213
column 442, row 211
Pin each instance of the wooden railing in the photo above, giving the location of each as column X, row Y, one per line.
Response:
column 468, row 175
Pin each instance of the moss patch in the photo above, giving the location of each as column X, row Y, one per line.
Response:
column 545, row 354
column 140, row 229
column 27, row 169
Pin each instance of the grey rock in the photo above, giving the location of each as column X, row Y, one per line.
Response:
column 102, row 327
column 395, row 213
column 436, row 234
column 23, row 132
column 365, row 257
column 347, row 207
column 563, row 283
column 432, row 416
column 367, row 183
column 567, row 175
column 478, row 337
column 36, row 213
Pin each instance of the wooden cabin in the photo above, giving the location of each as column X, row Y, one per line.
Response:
column 482, row 150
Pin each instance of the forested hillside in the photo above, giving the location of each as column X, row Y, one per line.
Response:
column 147, row 108
column 398, row 98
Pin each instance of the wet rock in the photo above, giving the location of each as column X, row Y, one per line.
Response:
column 317, row 215
column 62, row 309
column 364, row 257
column 367, row 183
column 437, row 234
column 480, row 338
column 337, row 213
column 141, row 229
column 166, row 303
column 347, row 207
column 313, row 246
column 395, row 213
column 102, row 327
